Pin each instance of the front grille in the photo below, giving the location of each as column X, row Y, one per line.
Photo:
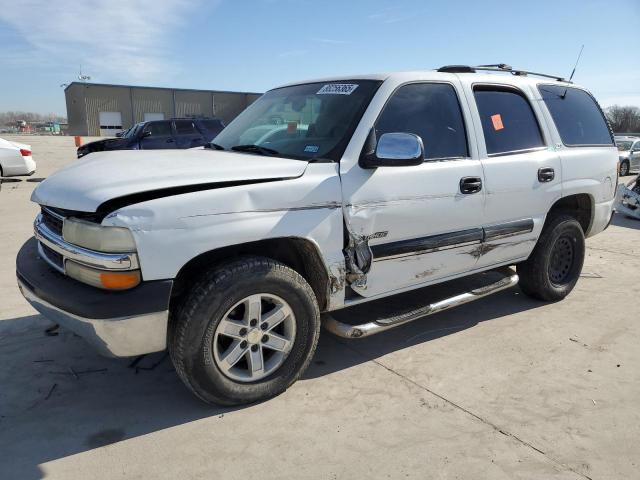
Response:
column 52, row 256
column 52, row 221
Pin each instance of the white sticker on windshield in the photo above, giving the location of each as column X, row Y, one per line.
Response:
column 337, row 89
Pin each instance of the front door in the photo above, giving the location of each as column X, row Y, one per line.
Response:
column 157, row 135
column 422, row 222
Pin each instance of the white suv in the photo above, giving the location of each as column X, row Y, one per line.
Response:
column 230, row 255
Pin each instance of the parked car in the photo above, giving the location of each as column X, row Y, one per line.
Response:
column 15, row 159
column 229, row 255
column 628, row 154
column 159, row 134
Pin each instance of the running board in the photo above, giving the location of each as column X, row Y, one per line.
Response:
column 347, row 330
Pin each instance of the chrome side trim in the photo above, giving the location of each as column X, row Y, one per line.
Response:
column 509, row 229
column 91, row 258
column 113, row 337
column 346, row 330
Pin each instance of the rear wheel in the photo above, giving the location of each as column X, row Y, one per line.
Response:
column 246, row 332
column 555, row 264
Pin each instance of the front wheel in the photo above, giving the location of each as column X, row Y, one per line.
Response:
column 246, row 332
column 553, row 268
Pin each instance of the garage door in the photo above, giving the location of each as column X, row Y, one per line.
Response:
column 110, row 123
column 148, row 117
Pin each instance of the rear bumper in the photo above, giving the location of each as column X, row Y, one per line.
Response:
column 120, row 324
column 28, row 167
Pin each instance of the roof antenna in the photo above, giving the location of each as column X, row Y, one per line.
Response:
column 574, row 71
column 576, row 65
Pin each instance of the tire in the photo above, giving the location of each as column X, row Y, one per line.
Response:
column 220, row 302
column 624, row 169
column 553, row 268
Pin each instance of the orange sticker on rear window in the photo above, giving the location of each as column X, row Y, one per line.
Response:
column 497, row 121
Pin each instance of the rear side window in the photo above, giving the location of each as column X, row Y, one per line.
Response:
column 185, row 127
column 577, row 116
column 508, row 122
column 431, row 111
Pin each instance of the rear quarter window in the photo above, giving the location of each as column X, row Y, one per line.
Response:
column 577, row 116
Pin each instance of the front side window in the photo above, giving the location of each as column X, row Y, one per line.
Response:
column 508, row 122
column 158, row 129
column 431, row 111
column 308, row 121
column 577, row 116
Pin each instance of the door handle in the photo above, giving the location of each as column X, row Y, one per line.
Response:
column 470, row 185
column 546, row 174
column 170, row 140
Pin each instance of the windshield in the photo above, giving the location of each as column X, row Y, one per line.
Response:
column 310, row 121
column 623, row 145
column 131, row 133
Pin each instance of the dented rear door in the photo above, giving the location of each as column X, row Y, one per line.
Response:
column 419, row 225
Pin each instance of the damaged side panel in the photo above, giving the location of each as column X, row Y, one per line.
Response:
column 170, row 231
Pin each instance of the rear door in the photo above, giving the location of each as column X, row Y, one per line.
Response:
column 157, row 135
column 522, row 172
column 186, row 134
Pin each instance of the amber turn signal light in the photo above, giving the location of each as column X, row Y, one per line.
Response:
column 119, row 280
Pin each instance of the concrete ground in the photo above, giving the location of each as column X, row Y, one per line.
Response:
column 503, row 388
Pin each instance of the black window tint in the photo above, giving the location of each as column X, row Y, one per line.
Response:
column 507, row 120
column 213, row 125
column 431, row 111
column 158, row 129
column 185, row 127
column 577, row 116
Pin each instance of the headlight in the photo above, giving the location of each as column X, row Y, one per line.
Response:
column 102, row 279
column 96, row 237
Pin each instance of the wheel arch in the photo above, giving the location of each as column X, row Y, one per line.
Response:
column 300, row 254
column 579, row 205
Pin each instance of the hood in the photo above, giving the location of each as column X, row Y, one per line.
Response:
column 104, row 144
column 86, row 184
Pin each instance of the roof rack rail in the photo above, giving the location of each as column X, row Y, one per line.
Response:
column 497, row 67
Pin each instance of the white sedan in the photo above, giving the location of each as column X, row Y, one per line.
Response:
column 15, row 159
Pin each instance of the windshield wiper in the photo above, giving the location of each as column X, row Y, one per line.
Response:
column 255, row 149
column 213, row 146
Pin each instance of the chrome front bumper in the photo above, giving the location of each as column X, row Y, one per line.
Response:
column 114, row 337
column 91, row 258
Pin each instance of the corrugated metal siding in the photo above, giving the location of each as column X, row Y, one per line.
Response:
column 147, row 100
column 85, row 101
column 106, row 99
column 190, row 104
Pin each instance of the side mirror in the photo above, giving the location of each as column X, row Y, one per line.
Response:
column 145, row 134
column 393, row 150
column 119, row 134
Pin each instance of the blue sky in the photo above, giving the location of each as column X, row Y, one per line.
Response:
column 254, row 45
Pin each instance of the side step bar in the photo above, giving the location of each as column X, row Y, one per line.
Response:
column 346, row 330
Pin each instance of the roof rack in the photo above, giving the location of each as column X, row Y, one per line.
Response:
column 497, row 67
